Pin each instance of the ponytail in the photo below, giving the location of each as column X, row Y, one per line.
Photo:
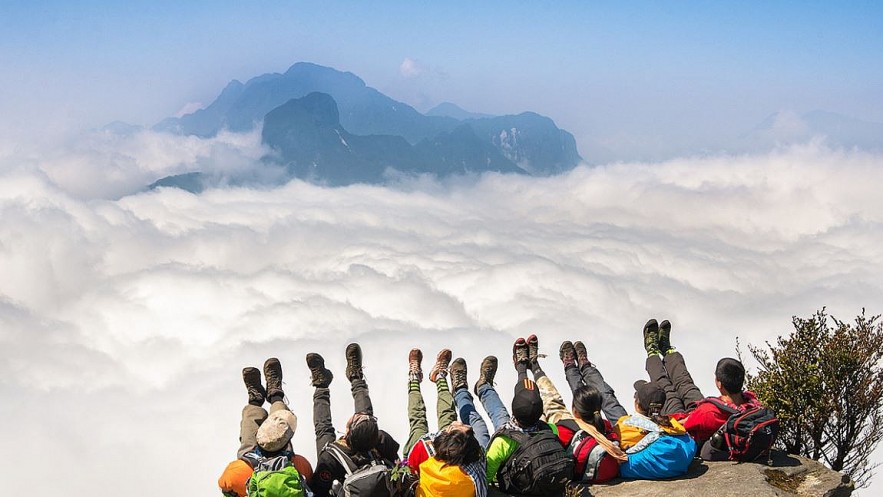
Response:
column 587, row 403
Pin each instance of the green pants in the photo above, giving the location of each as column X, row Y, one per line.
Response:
column 417, row 411
column 252, row 417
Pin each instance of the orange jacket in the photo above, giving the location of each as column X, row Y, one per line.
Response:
column 237, row 473
column 437, row 480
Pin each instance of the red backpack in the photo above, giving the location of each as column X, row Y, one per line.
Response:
column 748, row 435
column 593, row 463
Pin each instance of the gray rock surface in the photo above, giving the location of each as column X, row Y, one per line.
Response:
column 787, row 476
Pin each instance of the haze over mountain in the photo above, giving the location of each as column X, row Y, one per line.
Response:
column 330, row 127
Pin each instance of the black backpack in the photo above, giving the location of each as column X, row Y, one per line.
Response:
column 747, row 435
column 370, row 480
column 540, row 465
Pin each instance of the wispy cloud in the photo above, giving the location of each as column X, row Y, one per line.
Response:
column 126, row 322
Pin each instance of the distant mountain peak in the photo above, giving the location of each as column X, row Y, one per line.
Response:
column 448, row 109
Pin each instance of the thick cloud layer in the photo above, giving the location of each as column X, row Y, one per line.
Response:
column 125, row 323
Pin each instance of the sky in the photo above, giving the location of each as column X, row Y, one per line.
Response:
column 127, row 316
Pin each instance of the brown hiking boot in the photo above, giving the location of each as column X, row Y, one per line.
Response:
column 252, row 379
column 415, row 372
column 320, row 376
column 353, row 362
column 651, row 337
column 486, row 373
column 533, row 349
column 567, row 354
column 582, row 356
column 273, row 376
column 665, row 338
column 458, row 374
column 440, row 369
column 519, row 352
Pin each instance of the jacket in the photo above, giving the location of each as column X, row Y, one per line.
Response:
column 706, row 418
column 654, row 451
column 329, row 469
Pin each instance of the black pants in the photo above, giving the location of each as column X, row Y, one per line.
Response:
column 322, row 422
column 671, row 373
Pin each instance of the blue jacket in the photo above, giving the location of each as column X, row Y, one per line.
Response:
column 668, row 456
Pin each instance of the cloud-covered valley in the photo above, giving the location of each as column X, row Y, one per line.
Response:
column 126, row 317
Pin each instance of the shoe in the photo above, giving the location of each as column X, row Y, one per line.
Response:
column 273, row 376
column 458, row 374
column 440, row 369
column 252, row 379
column 320, row 376
column 567, row 354
column 533, row 349
column 486, row 372
column 665, row 338
column 415, row 372
column 582, row 356
column 651, row 337
column 519, row 352
column 353, row 362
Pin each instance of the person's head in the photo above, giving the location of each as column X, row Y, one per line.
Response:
column 729, row 376
column 649, row 399
column 362, row 433
column 456, row 445
column 276, row 431
column 527, row 406
column 587, row 406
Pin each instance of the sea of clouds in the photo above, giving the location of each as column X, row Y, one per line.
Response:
column 126, row 316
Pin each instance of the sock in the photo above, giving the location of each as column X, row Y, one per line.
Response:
column 413, row 385
column 441, row 384
column 276, row 398
column 537, row 372
column 256, row 402
column 521, row 369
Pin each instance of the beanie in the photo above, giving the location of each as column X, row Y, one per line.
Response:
column 527, row 406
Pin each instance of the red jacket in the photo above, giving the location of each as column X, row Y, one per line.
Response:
column 706, row 418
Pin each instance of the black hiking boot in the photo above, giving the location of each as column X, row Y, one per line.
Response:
column 486, row 373
column 320, row 376
column 582, row 356
column 651, row 338
column 665, row 338
column 458, row 374
column 415, row 371
column 354, row 362
column 520, row 354
column 440, row 369
column 273, row 376
column 567, row 354
column 256, row 393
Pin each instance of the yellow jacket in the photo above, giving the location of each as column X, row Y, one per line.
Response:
column 630, row 435
column 437, row 480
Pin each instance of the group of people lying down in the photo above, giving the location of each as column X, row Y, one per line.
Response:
column 535, row 448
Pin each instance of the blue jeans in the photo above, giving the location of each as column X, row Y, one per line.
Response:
column 492, row 404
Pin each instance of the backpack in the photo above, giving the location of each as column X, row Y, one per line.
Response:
column 599, row 466
column 370, row 480
column 276, row 477
column 748, row 435
column 538, row 466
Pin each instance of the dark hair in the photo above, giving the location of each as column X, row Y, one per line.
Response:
column 456, row 447
column 362, row 433
column 731, row 374
column 587, row 403
column 654, row 412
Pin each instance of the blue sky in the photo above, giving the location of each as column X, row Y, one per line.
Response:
column 687, row 74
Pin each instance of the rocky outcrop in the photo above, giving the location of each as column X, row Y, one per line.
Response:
column 786, row 476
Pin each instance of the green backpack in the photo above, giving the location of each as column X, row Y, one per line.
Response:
column 285, row 482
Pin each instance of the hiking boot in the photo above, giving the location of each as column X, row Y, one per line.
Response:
column 415, row 372
column 458, row 374
column 273, row 376
column 320, row 376
column 256, row 392
column 665, row 338
column 582, row 356
column 520, row 354
column 486, row 372
column 440, row 369
column 353, row 362
column 567, row 354
column 651, row 338
column 533, row 349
